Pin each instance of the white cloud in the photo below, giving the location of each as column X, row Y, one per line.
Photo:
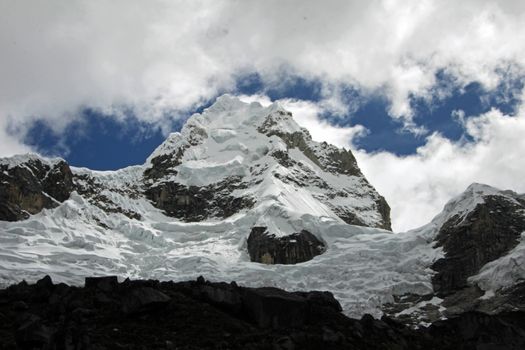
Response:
column 307, row 115
column 418, row 186
column 10, row 143
column 173, row 55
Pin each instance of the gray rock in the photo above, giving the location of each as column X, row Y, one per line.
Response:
column 193, row 203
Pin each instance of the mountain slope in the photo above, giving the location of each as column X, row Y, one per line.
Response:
column 243, row 183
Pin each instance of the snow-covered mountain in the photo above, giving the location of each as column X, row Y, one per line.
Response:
column 236, row 157
column 243, row 193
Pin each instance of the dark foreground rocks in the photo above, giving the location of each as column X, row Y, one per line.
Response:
column 106, row 314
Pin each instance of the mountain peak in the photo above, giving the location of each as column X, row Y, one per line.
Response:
column 271, row 160
column 477, row 227
column 463, row 204
column 27, row 158
column 229, row 112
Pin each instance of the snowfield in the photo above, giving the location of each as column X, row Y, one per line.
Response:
column 362, row 266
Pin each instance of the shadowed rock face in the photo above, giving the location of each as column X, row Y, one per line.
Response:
column 32, row 186
column 490, row 231
column 269, row 249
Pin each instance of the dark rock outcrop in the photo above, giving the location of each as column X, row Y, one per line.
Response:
column 105, row 284
column 194, row 203
column 164, row 165
column 275, row 308
column 488, row 232
column 267, row 248
column 203, row 315
column 475, row 330
column 31, row 186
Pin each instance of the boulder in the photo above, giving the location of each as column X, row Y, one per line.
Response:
column 226, row 296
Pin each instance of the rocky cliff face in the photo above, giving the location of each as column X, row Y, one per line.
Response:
column 29, row 184
column 486, row 233
column 198, row 203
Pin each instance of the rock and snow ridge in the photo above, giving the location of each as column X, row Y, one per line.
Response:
column 189, row 210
